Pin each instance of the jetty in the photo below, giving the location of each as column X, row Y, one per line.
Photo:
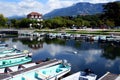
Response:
column 110, row 76
column 42, row 65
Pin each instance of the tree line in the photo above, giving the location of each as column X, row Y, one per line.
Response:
column 109, row 18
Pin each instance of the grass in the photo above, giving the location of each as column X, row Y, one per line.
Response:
column 99, row 32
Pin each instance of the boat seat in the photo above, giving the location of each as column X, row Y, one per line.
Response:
column 58, row 70
column 26, row 78
column 82, row 78
column 40, row 75
column 93, row 75
column 9, row 70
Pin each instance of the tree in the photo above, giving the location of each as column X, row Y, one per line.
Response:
column 24, row 23
column 47, row 23
column 3, row 21
column 78, row 22
column 112, row 12
column 14, row 23
column 69, row 23
column 109, row 23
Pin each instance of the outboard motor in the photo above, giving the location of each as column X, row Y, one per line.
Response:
column 88, row 71
column 6, row 70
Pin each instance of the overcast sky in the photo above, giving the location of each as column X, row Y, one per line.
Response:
column 23, row 7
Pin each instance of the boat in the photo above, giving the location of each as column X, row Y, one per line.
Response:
column 14, row 61
column 17, row 67
column 40, row 73
column 2, row 44
column 7, row 50
column 82, row 75
column 13, row 52
column 110, row 76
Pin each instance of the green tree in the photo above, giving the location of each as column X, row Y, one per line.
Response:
column 112, row 12
column 47, row 23
column 14, row 23
column 109, row 23
column 78, row 21
column 24, row 23
column 3, row 21
column 69, row 23
column 86, row 23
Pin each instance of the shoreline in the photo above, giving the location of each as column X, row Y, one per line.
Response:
column 84, row 31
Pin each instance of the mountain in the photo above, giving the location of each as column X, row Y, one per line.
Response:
column 76, row 9
column 16, row 17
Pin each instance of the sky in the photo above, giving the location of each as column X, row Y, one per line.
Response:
column 23, row 7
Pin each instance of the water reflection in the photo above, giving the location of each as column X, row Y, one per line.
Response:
column 34, row 43
column 99, row 57
column 54, row 41
column 111, row 51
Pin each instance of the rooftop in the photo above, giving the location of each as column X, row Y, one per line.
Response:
column 34, row 13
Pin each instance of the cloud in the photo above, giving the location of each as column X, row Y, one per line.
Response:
column 57, row 49
column 54, row 4
column 20, row 8
column 109, row 63
column 91, row 56
column 24, row 7
column 30, row 5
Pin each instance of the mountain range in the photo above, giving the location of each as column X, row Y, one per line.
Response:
column 83, row 8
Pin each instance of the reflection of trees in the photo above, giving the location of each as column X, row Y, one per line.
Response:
column 4, row 39
column 14, row 40
column 34, row 44
column 77, row 44
column 55, row 41
column 111, row 51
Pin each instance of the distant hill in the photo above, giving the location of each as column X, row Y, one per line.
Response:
column 76, row 9
column 16, row 17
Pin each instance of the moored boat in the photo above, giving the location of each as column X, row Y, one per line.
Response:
column 38, row 73
column 3, row 45
column 7, row 50
column 82, row 75
column 17, row 67
column 14, row 61
column 110, row 76
column 14, row 52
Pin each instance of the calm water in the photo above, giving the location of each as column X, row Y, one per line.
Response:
column 99, row 57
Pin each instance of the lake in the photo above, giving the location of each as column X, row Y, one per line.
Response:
column 100, row 57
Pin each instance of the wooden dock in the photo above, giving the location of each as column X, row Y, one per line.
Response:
column 42, row 65
column 110, row 76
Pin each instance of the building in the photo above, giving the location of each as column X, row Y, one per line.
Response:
column 37, row 18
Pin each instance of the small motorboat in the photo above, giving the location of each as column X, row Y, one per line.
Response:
column 3, row 45
column 87, row 74
column 38, row 73
column 14, row 61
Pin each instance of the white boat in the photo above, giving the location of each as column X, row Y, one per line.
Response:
column 110, row 76
column 18, row 67
column 2, row 44
column 81, row 75
column 6, row 50
column 14, row 52
column 36, row 73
